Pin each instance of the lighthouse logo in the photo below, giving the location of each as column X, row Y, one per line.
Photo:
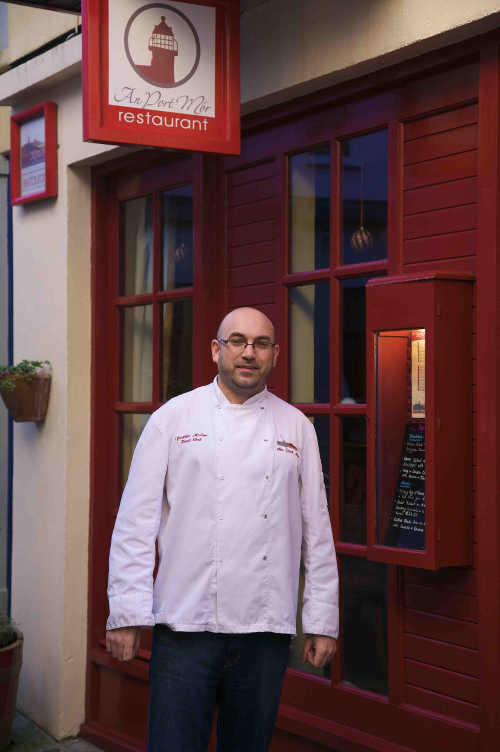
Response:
column 161, row 56
column 163, row 53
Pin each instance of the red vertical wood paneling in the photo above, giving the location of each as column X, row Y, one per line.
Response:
column 395, row 198
column 488, row 403
column 442, row 654
column 447, row 683
column 446, row 706
column 440, row 220
column 253, row 217
column 439, row 601
column 208, row 272
column 440, row 186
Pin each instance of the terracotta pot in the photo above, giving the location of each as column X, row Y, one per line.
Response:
column 29, row 399
column 11, row 659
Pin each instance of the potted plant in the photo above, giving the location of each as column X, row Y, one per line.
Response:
column 11, row 658
column 25, row 389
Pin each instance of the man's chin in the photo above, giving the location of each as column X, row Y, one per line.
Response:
column 246, row 382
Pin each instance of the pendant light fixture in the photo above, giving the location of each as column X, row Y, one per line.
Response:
column 361, row 238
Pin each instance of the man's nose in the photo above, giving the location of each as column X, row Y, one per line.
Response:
column 249, row 353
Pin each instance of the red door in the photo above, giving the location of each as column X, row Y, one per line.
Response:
column 154, row 271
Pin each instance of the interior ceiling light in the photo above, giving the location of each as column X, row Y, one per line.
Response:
column 361, row 238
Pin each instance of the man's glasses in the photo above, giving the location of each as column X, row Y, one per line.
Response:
column 238, row 344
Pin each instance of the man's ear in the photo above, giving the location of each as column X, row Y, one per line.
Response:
column 275, row 355
column 215, row 346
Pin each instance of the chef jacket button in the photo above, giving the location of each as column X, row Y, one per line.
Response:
column 265, row 516
column 266, row 439
column 265, row 558
column 262, row 407
column 267, row 477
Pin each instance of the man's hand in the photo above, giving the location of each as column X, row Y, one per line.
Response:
column 123, row 643
column 318, row 650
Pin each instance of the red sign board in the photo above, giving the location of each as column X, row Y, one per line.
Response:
column 33, row 143
column 163, row 74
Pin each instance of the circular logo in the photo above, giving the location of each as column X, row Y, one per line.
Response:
column 162, row 45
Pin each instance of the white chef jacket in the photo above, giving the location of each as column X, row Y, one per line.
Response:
column 233, row 494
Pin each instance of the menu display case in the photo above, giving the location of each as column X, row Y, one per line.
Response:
column 419, row 340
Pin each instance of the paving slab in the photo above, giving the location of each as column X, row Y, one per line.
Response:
column 28, row 737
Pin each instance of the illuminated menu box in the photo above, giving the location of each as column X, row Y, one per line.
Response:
column 419, row 340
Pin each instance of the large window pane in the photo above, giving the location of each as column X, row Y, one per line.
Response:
column 137, row 246
column 132, row 426
column 137, row 354
column 177, row 238
column 353, row 481
column 353, row 387
column 177, row 344
column 364, row 194
column 309, row 312
column 322, row 425
column 309, row 190
column 364, row 624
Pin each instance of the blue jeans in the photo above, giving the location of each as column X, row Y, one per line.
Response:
column 192, row 672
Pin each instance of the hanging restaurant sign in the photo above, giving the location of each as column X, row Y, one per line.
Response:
column 162, row 74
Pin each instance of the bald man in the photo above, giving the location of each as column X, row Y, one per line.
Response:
column 227, row 480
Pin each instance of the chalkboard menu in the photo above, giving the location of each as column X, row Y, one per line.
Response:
column 407, row 520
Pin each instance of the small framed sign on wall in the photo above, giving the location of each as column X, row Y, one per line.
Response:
column 162, row 74
column 33, row 135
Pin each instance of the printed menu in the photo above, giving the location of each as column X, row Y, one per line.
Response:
column 407, row 520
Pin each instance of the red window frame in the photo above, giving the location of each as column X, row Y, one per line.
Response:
column 310, row 689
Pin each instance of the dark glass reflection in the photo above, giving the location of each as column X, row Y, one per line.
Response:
column 364, row 193
column 309, row 311
column 322, row 427
column 309, row 190
column 177, row 348
column 364, row 624
column 353, row 387
column 177, row 238
column 353, row 489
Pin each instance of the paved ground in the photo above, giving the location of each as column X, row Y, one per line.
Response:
column 27, row 737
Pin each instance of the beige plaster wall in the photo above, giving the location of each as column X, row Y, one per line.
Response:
column 51, row 460
column 30, row 28
column 291, row 47
column 4, row 129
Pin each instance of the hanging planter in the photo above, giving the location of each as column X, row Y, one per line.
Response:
column 11, row 657
column 25, row 389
